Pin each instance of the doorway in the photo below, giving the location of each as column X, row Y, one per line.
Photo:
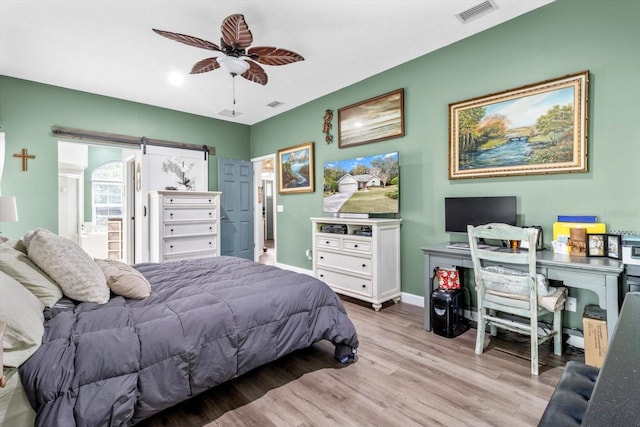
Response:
column 265, row 209
column 87, row 203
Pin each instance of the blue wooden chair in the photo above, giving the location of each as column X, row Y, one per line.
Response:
column 506, row 282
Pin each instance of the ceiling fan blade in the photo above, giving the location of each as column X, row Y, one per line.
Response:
column 255, row 73
column 205, row 65
column 235, row 31
column 188, row 40
column 269, row 55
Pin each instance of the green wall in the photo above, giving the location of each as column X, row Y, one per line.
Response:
column 565, row 37
column 28, row 110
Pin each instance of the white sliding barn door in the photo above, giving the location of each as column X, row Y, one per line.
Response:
column 162, row 168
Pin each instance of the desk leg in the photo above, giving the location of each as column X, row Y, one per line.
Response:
column 612, row 304
column 428, row 290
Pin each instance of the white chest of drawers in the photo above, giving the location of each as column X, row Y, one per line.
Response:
column 363, row 262
column 184, row 224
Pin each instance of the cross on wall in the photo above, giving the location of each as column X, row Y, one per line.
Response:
column 25, row 157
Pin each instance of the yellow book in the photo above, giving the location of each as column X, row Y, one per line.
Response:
column 564, row 228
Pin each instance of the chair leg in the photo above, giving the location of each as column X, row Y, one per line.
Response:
column 534, row 346
column 557, row 331
column 493, row 330
column 480, row 331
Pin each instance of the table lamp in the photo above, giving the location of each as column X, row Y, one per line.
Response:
column 8, row 210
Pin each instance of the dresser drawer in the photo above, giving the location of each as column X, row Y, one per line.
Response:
column 182, row 200
column 328, row 242
column 189, row 214
column 363, row 246
column 189, row 255
column 348, row 283
column 176, row 230
column 356, row 264
column 179, row 245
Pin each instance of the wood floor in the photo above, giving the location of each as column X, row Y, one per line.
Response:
column 404, row 376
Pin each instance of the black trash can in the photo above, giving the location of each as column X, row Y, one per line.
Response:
column 447, row 312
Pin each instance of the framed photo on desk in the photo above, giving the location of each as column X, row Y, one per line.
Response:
column 614, row 246
column 596, row 245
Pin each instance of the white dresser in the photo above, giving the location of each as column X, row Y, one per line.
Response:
column 359, row 258
column 183, row 224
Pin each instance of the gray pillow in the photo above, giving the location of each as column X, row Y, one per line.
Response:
column 69, row 265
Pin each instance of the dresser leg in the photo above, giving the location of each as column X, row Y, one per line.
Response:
column 376, row 307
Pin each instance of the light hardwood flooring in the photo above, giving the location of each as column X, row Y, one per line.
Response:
column 404, row 376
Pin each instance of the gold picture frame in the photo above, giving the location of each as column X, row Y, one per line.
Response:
column 535, row 129
column 295, row 169
column 372, row 120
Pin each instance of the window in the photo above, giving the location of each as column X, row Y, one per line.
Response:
column 106, row 193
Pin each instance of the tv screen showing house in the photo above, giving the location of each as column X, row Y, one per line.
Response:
column 366, row 185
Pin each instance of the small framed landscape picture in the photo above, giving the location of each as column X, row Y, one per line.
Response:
column 295, row 169
column 596, row 245
column 614, row 246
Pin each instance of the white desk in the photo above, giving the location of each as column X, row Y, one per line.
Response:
column 600, row 275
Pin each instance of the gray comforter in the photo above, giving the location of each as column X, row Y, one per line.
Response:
column 206, row 321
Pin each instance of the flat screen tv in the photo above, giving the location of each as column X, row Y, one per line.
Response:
column 362, row 185
column 462, row 211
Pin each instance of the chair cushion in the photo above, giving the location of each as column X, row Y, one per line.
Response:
column 516, row 288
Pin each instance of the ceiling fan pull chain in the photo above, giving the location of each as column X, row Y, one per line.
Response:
column 233, row 77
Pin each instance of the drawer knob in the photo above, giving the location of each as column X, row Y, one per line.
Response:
column 327, row 242
column 355, row 246
column 171, row 231
column 364, row 265
column 210, row 213
column 171, row 214
column 364, row 286
column 170, row 200
column 322, row 275
column 171, row 246
column 321, row 257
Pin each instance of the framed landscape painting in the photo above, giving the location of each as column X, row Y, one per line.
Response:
column 295, row 169
column 535, row 129
column 375, row 119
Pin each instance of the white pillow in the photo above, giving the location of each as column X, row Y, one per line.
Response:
column 124, row 280
column 69, row 265
column 22, row 312
column 17, row 265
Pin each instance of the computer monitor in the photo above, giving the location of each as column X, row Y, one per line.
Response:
column 462, row 211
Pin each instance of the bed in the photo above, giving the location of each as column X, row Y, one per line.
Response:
column 182, row 328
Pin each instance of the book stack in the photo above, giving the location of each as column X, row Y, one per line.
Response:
column 570, row 233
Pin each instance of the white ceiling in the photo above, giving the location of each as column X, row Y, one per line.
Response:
column 107, row 47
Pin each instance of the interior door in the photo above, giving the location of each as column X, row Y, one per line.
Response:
column 235, row 180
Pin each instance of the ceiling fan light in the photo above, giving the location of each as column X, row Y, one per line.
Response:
column 233, row 66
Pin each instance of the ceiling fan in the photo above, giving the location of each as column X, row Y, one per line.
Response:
column 237, row 57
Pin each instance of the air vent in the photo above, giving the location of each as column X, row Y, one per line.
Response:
column 477, row 11
column 229, row 113
column 275, row 104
